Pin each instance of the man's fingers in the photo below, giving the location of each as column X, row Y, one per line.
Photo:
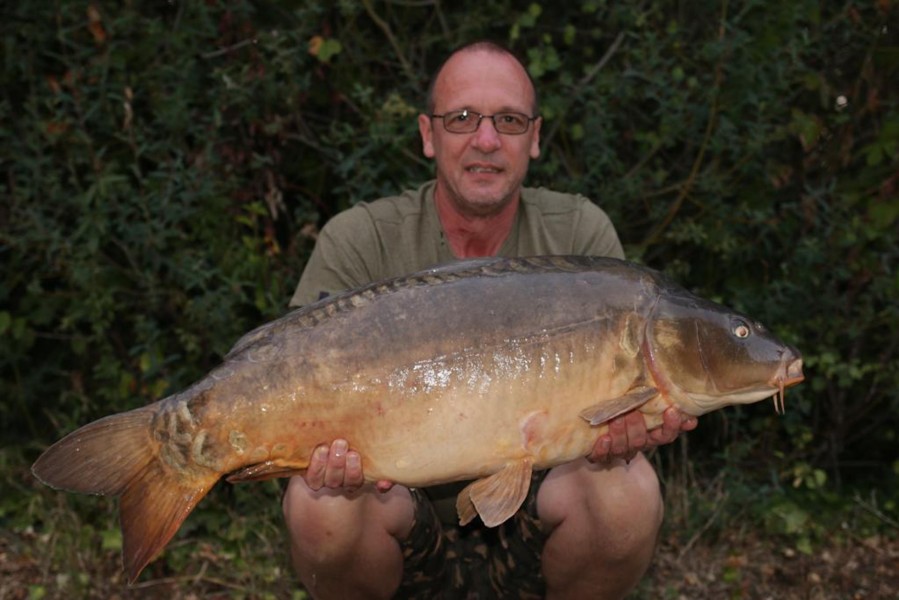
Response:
column 335, row 466
column 384, row 485
column 628, row 436
column 353, row 473
column 315, row 473
column 334, row 473
column 674, row 422
column 618, row 435
column 636, row 432
column 689, row 423
column 601, row 450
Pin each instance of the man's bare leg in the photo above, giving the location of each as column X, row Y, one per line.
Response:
column 604, row 522
column 345, row 541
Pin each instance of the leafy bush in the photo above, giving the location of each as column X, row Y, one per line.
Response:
column 166, row 166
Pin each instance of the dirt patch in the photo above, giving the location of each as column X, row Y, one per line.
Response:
column 843, row 569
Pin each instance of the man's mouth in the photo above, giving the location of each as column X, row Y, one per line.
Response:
column 483, row 169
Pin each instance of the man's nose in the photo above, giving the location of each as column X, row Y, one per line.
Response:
column 486, row 138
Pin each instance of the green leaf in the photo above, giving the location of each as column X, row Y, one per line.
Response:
column 111, row 539
column 328, row 49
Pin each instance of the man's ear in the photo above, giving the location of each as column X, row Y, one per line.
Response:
column 427, row 133
column 535, row 142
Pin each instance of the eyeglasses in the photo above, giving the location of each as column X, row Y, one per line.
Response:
column 468, row 121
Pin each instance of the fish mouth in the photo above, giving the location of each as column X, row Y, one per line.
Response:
column 791, row 374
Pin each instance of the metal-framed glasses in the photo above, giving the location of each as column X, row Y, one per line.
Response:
column 468, row 121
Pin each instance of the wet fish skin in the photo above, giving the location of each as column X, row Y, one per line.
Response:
column 484, row 370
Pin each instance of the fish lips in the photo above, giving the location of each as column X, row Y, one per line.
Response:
column 790, row 373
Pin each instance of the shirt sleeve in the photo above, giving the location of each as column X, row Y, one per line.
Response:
column 594, row 234
column 340, row 259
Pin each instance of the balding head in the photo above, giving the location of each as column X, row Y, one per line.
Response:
column 486, row 47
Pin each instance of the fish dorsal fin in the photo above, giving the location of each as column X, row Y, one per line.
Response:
column 269, row 469
column 497, row 497
column 608, row 409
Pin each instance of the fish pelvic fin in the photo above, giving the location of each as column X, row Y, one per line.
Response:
column 608, row 409
column 497, row 497
column 117, row 456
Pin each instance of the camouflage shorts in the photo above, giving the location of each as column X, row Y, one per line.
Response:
column 448, row 562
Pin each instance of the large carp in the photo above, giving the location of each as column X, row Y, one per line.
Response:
column 482, row 370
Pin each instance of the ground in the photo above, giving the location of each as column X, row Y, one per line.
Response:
column 722, row 539
column 752, row 568
column 746, row 568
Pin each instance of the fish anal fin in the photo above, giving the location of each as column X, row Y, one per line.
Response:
column 608, row 409
column 263, row 471
column 497, row 497
column 465, row 507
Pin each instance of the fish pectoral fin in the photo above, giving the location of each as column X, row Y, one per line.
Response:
column 608, row 409
column 263, row 471
column 497, row 497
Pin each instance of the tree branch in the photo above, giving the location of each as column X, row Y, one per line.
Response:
column 579, row 88
column 385, row 27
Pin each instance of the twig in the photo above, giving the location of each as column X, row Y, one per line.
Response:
column 197, row 578
column 874, row 511
column 720, row 503
column 385, row 27
column 222, row 51
column 697, row 163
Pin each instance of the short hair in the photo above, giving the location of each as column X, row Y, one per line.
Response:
column 486, row 46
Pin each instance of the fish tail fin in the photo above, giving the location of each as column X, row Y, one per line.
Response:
column 117, row 456
column 152, row 508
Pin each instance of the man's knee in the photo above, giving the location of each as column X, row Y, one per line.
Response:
column 313, row 521
column 632, row 502
column 332, row 521
column 603, row 525
column 631, row 488
column 347, row 543
column 621, row 504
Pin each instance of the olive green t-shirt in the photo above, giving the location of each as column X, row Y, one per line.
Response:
column 402, row 234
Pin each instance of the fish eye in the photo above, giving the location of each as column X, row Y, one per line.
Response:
column 741, row 329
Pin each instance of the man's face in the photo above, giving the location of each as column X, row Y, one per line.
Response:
column 480, row 172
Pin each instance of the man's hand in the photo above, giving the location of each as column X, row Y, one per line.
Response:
column 627, row 435
column 337, row 466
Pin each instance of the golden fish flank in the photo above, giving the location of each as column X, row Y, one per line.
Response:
column 482, row 370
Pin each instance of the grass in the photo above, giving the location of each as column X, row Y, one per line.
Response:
column 59, row 545
column 724, row 537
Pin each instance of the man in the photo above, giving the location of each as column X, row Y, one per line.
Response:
column 588, row 528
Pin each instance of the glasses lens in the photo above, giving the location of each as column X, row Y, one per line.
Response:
column 513, row 123
column 461, row 121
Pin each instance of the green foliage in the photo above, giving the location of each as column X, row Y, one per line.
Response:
column 165, row 166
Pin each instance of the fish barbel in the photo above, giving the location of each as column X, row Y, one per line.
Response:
column 480, row 370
